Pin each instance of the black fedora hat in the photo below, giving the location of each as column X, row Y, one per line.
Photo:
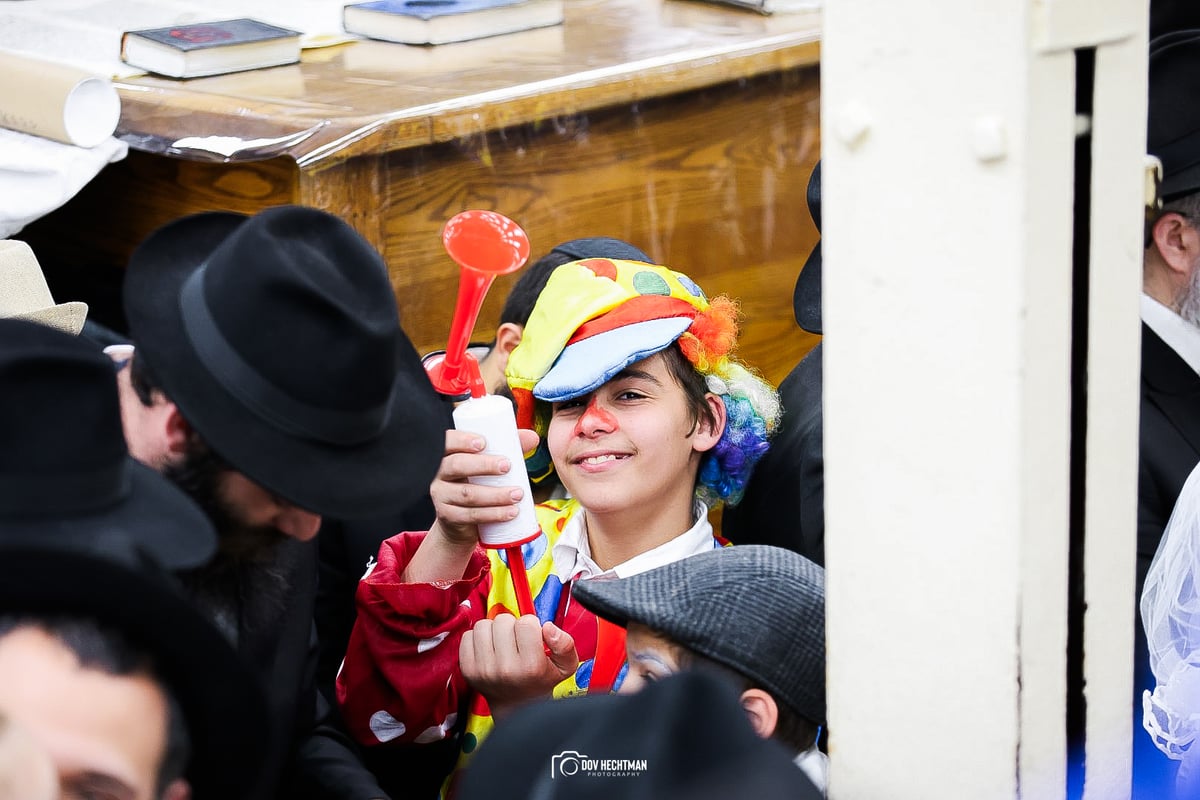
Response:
column 806, row 299
column 683, row 738
column 110, row 580
column 1173, row 123
column 277, row 335
column 85, row 530
column 65, row 471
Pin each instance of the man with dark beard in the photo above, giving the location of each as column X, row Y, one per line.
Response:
column 103, row 658
column 271, row 381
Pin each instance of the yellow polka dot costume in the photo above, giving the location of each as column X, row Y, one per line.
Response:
column 400, row 683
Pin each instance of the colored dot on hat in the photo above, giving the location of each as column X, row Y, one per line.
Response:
column 602, row 267
column 691, row 286
column 647, row 282
column 469, row 743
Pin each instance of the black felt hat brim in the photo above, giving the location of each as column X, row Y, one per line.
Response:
column 1173, row 125
column 689, row 728
column 155, row 515
column 378, row 477
column 221, row 699
column 806, row 299
column 1182, row 183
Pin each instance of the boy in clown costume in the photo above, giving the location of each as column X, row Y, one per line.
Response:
column 626, row 375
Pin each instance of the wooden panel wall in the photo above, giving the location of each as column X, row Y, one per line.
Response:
column 710, row 182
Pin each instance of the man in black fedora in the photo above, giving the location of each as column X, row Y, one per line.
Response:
column 272, row 381
column 784, row 504
column 103, row 659
column 1170, row 384
column 1170, row 415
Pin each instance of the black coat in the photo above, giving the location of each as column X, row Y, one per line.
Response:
column 309, row 756
column 1168, row 449
column 414, row 773
column 1169, row 440
column 345, row 547
column 784, row 504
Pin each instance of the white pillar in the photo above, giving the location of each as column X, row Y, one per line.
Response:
column 948, row 134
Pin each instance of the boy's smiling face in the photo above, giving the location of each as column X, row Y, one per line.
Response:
column 631, row 443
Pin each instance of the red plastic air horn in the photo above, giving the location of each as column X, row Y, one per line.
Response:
column 486, row 244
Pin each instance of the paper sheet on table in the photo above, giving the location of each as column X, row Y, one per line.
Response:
column 87, row 33
column 38, row 175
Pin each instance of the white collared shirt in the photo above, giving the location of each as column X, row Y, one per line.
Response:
column 1180, row 335
column 815, row 765
column 572, row 553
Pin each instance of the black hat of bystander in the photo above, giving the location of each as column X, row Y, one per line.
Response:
column 684, row 738
column 87, row 531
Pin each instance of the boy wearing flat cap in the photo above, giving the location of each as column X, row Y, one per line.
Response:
column 103, row 659
column 753, row 613
column 625, row 370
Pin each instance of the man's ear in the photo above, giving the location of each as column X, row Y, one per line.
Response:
column 178, row 789
column 1177, row 242
column 178, row 431
column 157, row 434
column 508, row 336
column 762, row 710
column 708, row 432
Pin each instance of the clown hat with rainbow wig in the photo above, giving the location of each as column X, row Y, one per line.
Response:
column 597, row 316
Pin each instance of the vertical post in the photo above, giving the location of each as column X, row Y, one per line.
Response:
column 951, row 285
column 1118, row 125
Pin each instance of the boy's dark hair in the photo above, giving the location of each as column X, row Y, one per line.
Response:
column 792, row 729
column 108, row 650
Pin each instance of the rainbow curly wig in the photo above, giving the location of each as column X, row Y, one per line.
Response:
column 597, row 316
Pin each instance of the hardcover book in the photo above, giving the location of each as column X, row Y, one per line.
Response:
column 210, row 48
column 444, row 21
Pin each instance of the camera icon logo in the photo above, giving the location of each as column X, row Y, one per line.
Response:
column 566, row 763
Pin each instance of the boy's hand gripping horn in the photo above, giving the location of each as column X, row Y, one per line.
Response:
column 485, row 244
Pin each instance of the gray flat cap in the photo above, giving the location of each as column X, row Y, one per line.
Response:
column 756, row 609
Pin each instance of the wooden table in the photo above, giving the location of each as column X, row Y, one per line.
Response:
column 685, row 128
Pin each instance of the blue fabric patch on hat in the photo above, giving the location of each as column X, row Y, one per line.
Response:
column 590, row 363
